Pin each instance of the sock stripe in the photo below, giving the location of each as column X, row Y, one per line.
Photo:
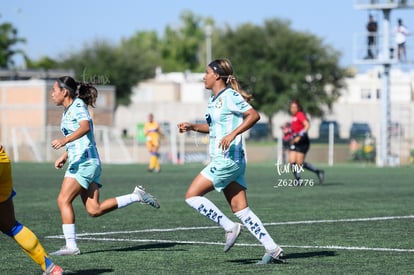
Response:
column 15, row 230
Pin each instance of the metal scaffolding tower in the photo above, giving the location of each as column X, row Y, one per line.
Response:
column 386, row 56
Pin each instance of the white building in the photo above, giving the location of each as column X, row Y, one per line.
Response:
column 172, row 98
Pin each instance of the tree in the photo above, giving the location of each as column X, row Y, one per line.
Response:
column 45, row 63
column 181, row 48
column 94, row 63
column 136, row 58
column 287, row 65
column 8, row 40
column 123, row 66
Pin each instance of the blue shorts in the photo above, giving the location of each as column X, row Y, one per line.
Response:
column 85, row 172
column 223, row 171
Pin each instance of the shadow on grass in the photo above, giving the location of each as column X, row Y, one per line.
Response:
column 90, row 271
column 136, row 248
column 291, row 256
column 326, row 184
column 310, row 254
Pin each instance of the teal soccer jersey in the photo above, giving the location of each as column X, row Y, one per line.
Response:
column 84, row 146
column 224, row 114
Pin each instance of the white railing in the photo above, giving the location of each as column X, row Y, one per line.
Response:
column 380, row 55
column 383, row 4
column 33, row 144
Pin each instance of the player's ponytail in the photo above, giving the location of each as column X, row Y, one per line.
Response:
column 224, row 69
column 88, row 93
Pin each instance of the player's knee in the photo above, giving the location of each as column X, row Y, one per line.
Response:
column 187, row 196
column 94, row 212
column 237, row 206
column 191, row 193
column 62, row 201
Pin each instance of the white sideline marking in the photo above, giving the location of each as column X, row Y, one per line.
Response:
column 212, row 227
column 87, row 236
column 247, row 244
column 344, row 220
column 352, row 248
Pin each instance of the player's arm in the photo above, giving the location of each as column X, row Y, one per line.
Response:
column 60, row 162
column 83, row 129
column 306, row 126
column 197, row 127
column 160, row 132
column 250, row 117
column 298, row 136
column 146, row 129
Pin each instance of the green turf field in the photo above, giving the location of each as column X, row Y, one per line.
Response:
column 360, row 221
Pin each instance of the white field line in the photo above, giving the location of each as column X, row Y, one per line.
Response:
column 87, row 236
column 244, row 244
column 212, row 227
column 344, row 220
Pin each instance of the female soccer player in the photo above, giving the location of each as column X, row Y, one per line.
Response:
column 300, row 144
column 27, row 240
column 152, row 131
column 228, row 116
column 82, row 176
column 287, row 136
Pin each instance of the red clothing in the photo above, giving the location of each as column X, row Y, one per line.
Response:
column 297, row 122
column 287, row 133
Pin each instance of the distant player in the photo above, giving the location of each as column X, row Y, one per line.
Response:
column 286, row 138
column 82, row 177
column 300, row 143
column 228, row 116
column 27, row 240
column 153, row 133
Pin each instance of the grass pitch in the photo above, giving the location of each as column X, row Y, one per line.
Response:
column 359, row 221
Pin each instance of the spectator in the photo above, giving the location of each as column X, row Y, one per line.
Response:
column 372, row 28
column 400, row 37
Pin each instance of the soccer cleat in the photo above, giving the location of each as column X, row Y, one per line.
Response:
column 53, row 269
column 232, row 235
column 145, row 198
column 273, row 256
column 66, row 251
column 321, row 175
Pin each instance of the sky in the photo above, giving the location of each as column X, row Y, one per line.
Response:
column 55, row 27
